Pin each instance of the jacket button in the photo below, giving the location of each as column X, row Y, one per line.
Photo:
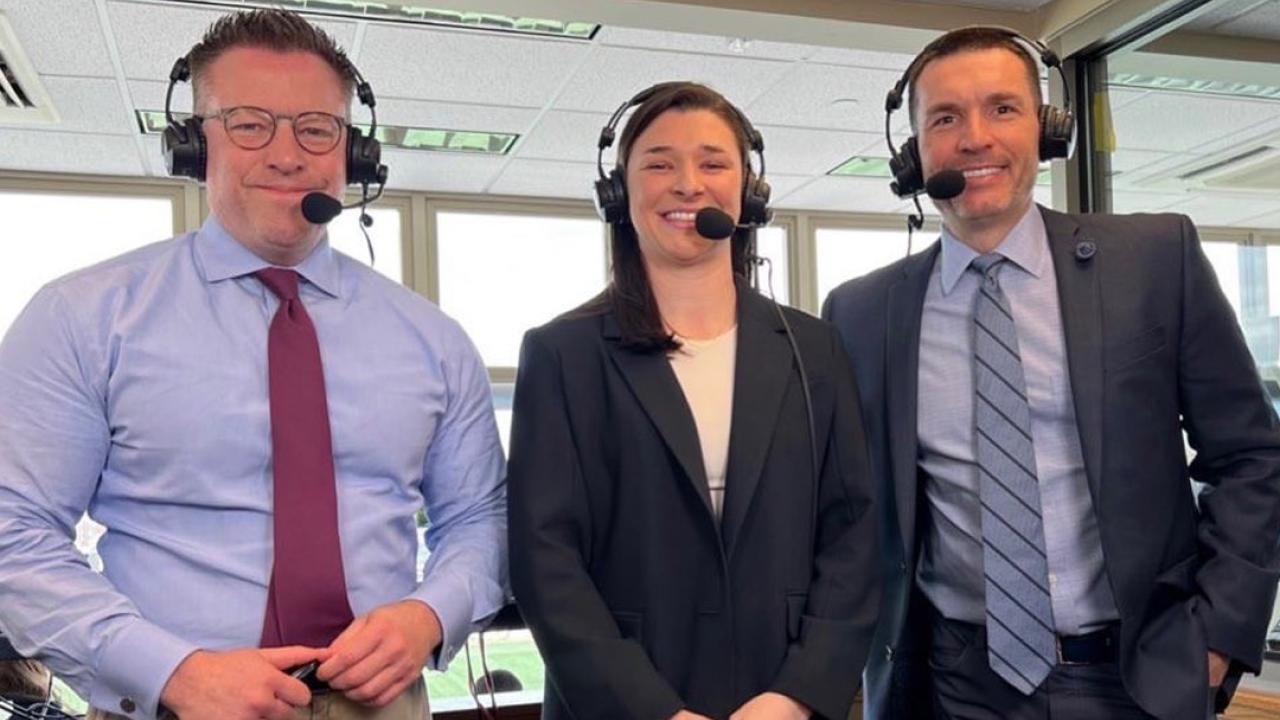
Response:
column 888, row 653
column 128, row 705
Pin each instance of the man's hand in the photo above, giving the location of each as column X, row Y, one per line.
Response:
column 380, row 654
column 1218, row 666
column 771, row 706
column 238, row 684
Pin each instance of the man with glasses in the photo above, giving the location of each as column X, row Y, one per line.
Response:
column 257, row 420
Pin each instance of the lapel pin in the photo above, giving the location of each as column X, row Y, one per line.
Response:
column 1085, row 251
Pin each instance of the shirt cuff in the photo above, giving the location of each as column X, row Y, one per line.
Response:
column 454, row 612
column 133, row 668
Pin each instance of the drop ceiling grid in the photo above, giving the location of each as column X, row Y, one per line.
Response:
column 1145, row 124
column 465, row 67
column 805, row 97
column 54, row 45
column 1262, row 22
column 43, row 151
column 151, row 36
column 85, row 105
column 618, row 73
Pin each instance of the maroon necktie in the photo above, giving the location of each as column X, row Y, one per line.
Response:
column 307, row 598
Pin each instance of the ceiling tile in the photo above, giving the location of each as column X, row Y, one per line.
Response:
column 41, row 151
column 615, row 74
column 452, row 116
column 802, row 151
column 827, row 96
column 1262, row 22
column 1221, row 209
column 87, row 105
column 564, row 135
column 705, row 44
column 466, row 67
column 61, row 37
column 1133, row 201
column 1146, row 124
column 151, row 37
column 546, row 178
column 871, row 59
column 440, row 171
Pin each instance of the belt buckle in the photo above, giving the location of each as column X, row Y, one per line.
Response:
column 1057, row 645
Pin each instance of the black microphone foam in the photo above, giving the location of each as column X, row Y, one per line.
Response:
column 319, row 208
column 945, row 184
column 714, row 224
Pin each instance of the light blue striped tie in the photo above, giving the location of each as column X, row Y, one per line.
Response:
column 1020, row 639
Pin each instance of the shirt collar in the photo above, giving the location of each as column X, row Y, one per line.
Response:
column 1026, row 245
column 221, row 256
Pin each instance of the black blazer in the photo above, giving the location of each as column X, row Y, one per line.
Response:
column 640, row 603
column 1153, row 348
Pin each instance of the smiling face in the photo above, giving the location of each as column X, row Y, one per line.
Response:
column 977, row 113
column 685, row 160
column 256, row 194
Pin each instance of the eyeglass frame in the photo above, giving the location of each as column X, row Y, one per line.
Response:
column 223, row 114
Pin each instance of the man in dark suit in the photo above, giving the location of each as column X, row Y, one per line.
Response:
column 1026, row 381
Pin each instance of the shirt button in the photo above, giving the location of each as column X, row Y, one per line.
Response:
column 888, row 653
column 128, row 705
column 1053, row 579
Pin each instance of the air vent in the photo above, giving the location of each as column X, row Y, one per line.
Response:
column 1255, row 170
column 22, row 97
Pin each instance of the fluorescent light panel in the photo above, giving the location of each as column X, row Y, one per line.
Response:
column 152, row 122
column 418, row 15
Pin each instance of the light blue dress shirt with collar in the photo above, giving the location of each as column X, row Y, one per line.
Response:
column 137, row 390
column 950, row 568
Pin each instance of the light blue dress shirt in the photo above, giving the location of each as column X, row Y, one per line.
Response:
column 137, row 390
column 950, row 568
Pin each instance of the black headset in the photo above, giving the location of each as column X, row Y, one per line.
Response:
column 186, row 150
column 611, row 189
column 1057, row 124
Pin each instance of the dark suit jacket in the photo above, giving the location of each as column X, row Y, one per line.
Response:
column 642, row 604
column 1152, row 348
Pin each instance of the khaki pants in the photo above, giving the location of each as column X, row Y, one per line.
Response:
column 411, row 705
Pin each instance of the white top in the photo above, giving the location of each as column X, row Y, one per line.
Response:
column 705, row 370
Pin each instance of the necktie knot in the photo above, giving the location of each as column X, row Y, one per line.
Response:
column 280, row 281
column 988, row 266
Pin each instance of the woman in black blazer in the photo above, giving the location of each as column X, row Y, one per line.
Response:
column 690, row 536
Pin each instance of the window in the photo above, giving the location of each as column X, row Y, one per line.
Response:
column 501, row 274
column 47, row 235
column 843, row 254
column 385, row 234
column 771, row 244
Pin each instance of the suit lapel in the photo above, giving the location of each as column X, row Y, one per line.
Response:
column 763, row 367
column 1080, row 300
column 902, row 366
column 654, row 384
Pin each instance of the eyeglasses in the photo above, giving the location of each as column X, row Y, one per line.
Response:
column 252, row 128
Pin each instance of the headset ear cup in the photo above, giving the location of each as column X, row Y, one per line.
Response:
column 755, row 202
column 185, row 149
column 612, row 204
column 364, row 159
column 908, row 178
column 1057, row 132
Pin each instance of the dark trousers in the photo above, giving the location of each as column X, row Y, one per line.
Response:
column 966, row 688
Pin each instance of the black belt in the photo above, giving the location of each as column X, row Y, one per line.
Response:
column 1099, row 646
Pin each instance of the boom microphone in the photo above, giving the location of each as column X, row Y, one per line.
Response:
column 714, row 224
column 319, row 208
column 945, row 185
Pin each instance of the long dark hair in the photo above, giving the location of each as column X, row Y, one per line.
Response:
column 629, row 295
